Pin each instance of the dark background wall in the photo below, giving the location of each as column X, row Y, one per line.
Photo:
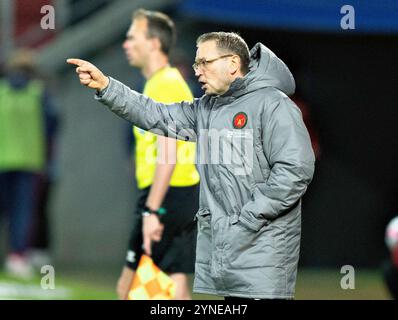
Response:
column 350, row 83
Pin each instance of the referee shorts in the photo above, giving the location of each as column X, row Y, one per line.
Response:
column 175, row 253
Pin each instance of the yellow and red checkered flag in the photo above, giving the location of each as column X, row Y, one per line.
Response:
column 151, row 283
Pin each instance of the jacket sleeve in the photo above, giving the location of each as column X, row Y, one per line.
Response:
column 176, row 120
column 287, row 147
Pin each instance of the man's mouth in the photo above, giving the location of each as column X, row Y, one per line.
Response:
column 203, row 84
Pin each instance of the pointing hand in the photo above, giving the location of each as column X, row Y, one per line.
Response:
column 89, row 74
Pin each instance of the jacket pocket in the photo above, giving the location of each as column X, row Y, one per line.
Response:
column 251, row 215
column 248, row 247
column 203, row 215
column 204, row 238
column 253, row 225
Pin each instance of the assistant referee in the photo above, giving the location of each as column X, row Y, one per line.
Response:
column 165, row 171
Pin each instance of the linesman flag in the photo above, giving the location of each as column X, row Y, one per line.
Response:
column 151, row 283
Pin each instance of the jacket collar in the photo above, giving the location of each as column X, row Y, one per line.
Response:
column 237, row 88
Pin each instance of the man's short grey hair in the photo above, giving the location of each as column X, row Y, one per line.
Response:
column 229, row 42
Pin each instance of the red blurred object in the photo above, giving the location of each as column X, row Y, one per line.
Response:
column 313, row 132
column 394, row 256
column 27, row 30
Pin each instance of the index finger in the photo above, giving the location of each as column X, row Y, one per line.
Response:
column 77, row 62
column 147, row 245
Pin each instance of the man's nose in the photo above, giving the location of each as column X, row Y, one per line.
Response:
column 198, row 72
column 124, row 44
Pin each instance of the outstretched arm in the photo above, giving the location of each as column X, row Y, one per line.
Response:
column 177, row 120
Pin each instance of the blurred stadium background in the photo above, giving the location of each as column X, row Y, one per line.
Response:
column 346, row 85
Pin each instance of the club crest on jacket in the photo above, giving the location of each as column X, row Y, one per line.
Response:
column 240, row 120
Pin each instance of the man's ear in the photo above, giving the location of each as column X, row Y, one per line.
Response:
column 156, row 45
column 235, row 64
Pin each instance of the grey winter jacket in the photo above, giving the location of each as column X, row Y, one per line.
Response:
column 255, row 160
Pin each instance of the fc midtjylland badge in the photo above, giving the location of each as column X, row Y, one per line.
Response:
column 240, row 120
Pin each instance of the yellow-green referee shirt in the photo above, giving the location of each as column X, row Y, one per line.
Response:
column 166, row 86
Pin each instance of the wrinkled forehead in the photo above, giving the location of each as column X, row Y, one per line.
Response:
column 206, row 50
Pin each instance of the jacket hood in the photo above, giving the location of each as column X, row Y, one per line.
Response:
column 265, row 70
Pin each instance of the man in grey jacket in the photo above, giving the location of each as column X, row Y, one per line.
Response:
column 254, row 158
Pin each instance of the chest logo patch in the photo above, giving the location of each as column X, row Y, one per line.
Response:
column 240, row 120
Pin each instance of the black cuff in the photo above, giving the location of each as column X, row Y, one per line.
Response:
column 100, row 93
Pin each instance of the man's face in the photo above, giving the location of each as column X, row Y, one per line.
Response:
column 214, row 76
column 137, row 46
